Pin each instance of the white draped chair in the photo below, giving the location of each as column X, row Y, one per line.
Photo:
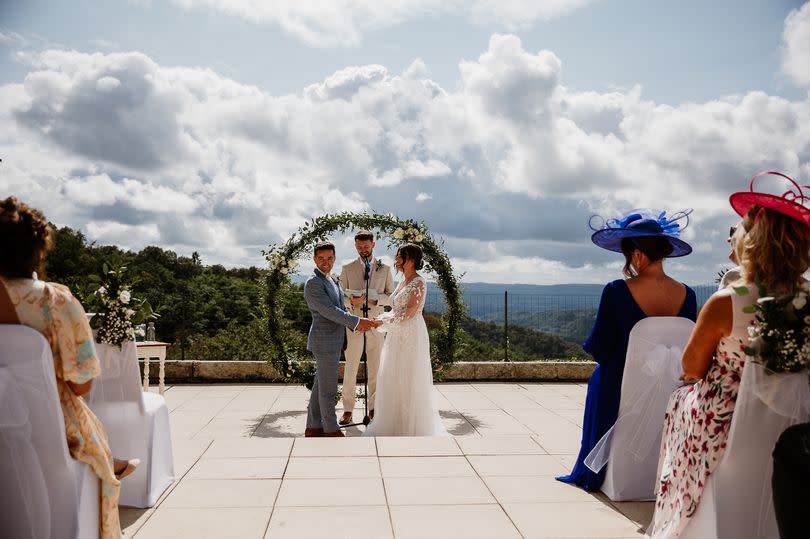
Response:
column 630, row 448
column 137, row 424
column 737, row 501
column 69, row 507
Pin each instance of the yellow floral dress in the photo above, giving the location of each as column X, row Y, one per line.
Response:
column 53, row 311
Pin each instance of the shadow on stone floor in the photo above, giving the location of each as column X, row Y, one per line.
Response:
column 273, row 425
column 130, row 515
column 639, row 512
column 467, row 426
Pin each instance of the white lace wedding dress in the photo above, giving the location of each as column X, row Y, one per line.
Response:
column 405, row 403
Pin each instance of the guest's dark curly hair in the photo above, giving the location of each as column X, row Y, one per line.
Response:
column 413, row 252
column 25, row 239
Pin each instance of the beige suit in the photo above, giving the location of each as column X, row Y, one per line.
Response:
column 382, row 280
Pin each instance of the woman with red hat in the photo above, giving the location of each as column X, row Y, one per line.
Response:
column 773, row 248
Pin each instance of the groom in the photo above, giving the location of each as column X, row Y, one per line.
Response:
column 327, row 338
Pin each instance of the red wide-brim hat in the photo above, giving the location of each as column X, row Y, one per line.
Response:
column 793, row 202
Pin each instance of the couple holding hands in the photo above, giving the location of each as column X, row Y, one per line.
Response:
column 398, row 350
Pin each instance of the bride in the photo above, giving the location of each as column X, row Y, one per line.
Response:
column 405, row 402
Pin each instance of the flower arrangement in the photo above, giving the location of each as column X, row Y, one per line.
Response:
column 411, row 234
column 118, row 311
column 780, row 336
column 277, row 261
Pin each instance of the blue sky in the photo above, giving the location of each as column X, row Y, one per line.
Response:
column 678, row 51
column 219, row 126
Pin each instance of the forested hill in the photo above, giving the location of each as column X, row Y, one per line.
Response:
column 194, row 300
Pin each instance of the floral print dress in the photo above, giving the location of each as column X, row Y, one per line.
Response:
column 53, row 311
column 696, row 427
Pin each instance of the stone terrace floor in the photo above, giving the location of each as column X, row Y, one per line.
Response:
column 243, row 470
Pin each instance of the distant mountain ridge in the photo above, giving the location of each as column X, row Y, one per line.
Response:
column 572, row 289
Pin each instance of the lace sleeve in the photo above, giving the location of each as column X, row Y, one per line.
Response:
column 400, row 315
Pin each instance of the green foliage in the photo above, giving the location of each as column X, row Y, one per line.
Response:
column 720, row 274
column 196, row 302
column 236, row 342
column 280, row 299
column 485, row 339
column 573, row 325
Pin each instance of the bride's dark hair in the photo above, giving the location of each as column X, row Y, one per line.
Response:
column 413, row 252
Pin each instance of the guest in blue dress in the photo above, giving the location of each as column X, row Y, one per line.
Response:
column 645, row 238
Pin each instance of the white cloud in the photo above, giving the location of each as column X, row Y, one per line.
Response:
column 110, row 232
column 796, row 45
column 343, row 23
column 410, row 169
column 10, row 38
column 507, row 166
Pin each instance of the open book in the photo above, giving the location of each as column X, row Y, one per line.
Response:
column 373, row 295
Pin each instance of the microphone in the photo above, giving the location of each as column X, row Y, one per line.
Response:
column 368, row 268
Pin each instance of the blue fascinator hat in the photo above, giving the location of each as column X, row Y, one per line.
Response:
column 642, row 223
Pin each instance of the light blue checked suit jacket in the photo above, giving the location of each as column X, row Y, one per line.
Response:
column 329, row 316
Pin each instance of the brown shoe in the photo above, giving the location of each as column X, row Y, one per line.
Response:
column 313, row 433
column 346, row 418
column 336, row 434
column 126, row 467
column 371, row 414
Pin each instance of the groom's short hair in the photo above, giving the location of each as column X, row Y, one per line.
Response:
column 364, row 235
column 324, row 246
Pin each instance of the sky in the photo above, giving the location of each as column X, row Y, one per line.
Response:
column 221, row 126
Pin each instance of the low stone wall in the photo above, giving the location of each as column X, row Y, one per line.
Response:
column 178, row 372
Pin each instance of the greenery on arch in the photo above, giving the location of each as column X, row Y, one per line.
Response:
column 282, row 260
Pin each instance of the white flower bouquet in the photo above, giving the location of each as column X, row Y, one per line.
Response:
column 410, row 234
column 284, row 265
column 119, row 312
column 780, row 336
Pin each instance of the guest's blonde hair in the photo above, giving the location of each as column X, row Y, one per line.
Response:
column 775, row 251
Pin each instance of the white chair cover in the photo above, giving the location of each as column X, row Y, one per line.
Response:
column 137, row 424
column 737, row 501
column 26, row 513
column 651, row 371
column 27, row 365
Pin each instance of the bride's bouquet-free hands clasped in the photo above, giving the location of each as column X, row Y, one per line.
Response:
column 382, row 319
column 780, row 336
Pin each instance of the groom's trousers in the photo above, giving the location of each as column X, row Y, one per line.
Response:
column 321, row 410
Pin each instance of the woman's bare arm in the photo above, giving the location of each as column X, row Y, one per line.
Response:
column 714, row 322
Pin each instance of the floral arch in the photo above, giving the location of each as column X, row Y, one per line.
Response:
column 282, row 263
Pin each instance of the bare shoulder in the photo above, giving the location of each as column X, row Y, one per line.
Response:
column 718, row 310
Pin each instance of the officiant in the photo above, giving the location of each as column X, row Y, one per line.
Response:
column 353, row 280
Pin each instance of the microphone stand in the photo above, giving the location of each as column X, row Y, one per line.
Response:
column 363, row 357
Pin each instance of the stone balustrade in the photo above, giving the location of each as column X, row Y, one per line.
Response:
column 467, row 371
